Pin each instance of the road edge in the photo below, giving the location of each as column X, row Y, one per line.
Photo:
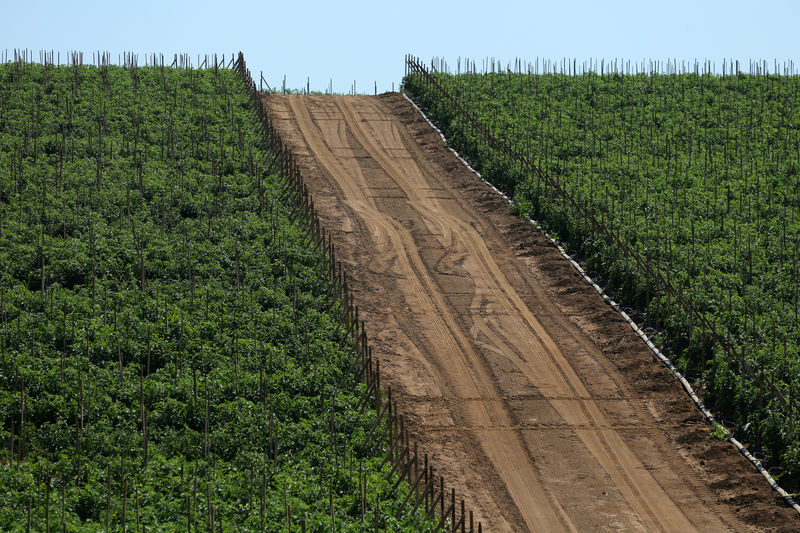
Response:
column 616, row 307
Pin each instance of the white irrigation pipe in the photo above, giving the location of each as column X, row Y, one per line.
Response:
column 664, row 359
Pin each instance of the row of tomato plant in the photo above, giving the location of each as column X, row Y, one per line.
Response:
column 172, row 350
column 700, row 175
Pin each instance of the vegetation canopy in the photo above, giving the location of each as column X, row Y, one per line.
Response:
column 172, row 353
column 694, row 175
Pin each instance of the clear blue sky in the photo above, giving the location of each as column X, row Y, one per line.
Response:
column 366, row 41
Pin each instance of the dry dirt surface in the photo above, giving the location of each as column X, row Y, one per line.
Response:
column 530, row 395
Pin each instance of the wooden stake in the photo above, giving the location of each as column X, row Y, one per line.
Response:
column 108, row 496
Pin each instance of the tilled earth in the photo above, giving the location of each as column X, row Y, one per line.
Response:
column 528, row 392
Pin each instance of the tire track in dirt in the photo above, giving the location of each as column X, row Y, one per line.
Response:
column 550, row 373
column 467, row 375
column 516, row 377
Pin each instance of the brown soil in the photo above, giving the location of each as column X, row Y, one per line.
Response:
column 529, row 393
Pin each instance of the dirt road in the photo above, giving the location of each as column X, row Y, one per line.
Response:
column 527, row 391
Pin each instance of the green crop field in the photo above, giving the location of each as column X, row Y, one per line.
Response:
column 696, row 176
column 172, row 351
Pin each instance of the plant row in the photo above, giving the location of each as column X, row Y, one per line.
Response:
column 682, row 191
column 173, row 350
